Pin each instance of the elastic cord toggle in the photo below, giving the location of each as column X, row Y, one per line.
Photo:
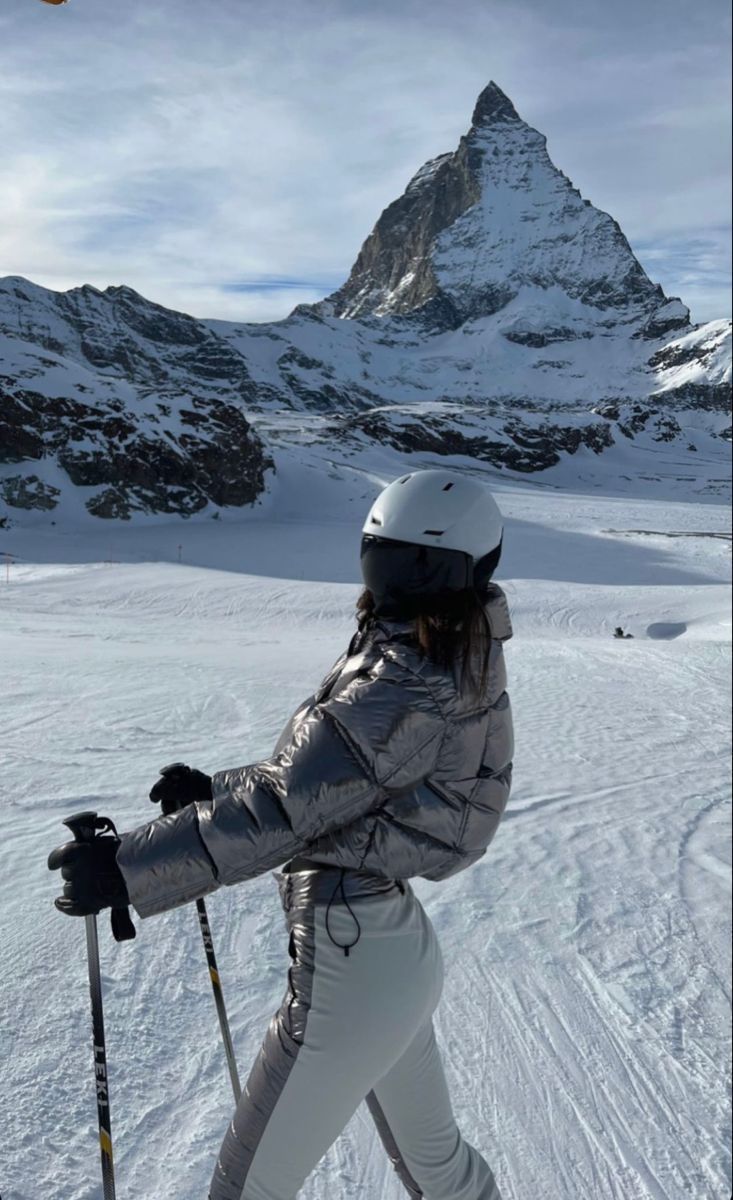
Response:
column 340, row 887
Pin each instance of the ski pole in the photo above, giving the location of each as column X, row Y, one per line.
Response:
column 100, row 1060
column 218, row 998
column 84, row 827
column 179, row 771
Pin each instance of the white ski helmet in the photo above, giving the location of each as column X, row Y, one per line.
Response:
column 430, row 532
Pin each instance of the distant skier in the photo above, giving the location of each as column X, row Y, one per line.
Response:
column 398, row 766
column 619, row 633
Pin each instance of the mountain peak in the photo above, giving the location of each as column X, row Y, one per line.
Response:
column 492, row 106
column 496, row 224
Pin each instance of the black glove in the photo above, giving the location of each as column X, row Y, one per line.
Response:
column 180, row 785
column 93, row 879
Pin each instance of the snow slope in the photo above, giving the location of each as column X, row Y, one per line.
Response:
column 585, row 1020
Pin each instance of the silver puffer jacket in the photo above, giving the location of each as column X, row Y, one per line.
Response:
column 391, row 768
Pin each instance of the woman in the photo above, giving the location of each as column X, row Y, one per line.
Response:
column 398, row 766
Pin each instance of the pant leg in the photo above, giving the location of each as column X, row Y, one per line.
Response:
column 343, row 1022
column 412, row 1110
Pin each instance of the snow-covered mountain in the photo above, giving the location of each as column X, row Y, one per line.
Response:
column 493, row 314
column 495, row 223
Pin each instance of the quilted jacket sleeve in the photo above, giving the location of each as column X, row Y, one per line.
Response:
column 342, row 757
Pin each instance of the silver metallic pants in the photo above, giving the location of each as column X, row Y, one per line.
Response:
column 353, row 1026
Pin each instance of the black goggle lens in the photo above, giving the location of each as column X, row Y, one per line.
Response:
column 395, row 570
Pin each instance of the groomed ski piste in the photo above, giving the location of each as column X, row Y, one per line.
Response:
column 586, row 1013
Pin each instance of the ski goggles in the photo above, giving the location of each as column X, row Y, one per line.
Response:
column 400, row 573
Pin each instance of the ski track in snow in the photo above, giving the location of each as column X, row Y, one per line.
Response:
column 585, row 1018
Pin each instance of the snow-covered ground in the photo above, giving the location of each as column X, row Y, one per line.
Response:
column 585, row 1020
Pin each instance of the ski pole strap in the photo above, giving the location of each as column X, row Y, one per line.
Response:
column 123, row 929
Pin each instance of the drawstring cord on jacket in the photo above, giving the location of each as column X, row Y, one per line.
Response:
column 346, row 947
column 340, row 887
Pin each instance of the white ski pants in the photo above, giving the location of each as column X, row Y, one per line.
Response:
column 351, row 1028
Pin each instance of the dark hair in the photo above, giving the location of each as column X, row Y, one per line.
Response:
column 451, row 630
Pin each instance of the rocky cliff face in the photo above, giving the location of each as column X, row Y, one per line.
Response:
column 141, row 409
column 493, row 315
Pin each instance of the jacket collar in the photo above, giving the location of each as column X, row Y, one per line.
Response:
column 497, row 610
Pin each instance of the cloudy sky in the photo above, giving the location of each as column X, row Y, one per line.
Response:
column 228, row 157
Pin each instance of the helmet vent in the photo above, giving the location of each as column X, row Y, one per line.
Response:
column 376, row 521
column 447, row 487
column 406, row 478
column 433, row 532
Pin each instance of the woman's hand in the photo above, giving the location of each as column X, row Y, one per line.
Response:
column 93, row 880
column 178, row 786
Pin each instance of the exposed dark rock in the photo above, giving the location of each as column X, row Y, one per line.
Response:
column 633, row 287
column 548, row 439
column 610, row 409
column 111, row 504
column 439, row 312
column 29, row 492
column 20, row 437
column 294, row 357
column 545, row 337
column 711, row 397
column 678, row 356
column 530, row 449
column 163, row 326
column 314, row 389
column 493, row 106
column 397, row 251
column 668, row 429
column 215, row 459
column 662, row 325
column 634, row 419
column 213, row 359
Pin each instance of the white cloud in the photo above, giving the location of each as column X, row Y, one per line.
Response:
column 181, row 147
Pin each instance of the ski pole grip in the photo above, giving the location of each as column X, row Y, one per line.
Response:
column 83, row 825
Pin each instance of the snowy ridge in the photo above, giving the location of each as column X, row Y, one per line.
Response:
column 115, row 405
